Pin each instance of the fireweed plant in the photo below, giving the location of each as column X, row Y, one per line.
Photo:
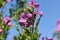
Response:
column 25, row 14
column 5, row 23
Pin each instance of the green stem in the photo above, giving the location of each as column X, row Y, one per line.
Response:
column 4, row 32
column 36, row 26
column 58, row 36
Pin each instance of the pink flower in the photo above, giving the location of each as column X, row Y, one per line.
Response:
column 33, row 3
column 25, row 24
column 36, row 5
column 30, row 16
column 30, row 4
column 9, row 24
column 9, row 0
column 58, row 25
column 6, row 19
column 22, row 20
column 40, row 13
column 0, row 30
column 23, row 15
column 35, row 14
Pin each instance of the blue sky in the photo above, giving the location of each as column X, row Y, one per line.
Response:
column 47, row 25
column 51, row 12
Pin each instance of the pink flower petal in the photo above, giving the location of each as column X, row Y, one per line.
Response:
column 58, row 25
column 5, row 20
column 0, row 30
column 9, row 24
column 30, row 16
column 9, row 0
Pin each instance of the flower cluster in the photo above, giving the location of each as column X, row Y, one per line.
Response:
column 25, row 15
column 27, row 18
column 34, row 4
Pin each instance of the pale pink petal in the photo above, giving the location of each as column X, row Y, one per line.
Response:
column 9, row 24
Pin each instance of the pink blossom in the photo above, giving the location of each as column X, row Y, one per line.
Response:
column 0, row 30
column 30, row 16
column 36, row 5
column 25, row 24
column 23, row 15
column 22, row 20
column 40, row 13
column 6, row 19
column 58, row 25
column 9, row 0
column 9, row 24
column 30, row 4
column 33, row 3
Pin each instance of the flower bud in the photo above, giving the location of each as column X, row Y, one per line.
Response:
column 58, row 26
column 29, row 16
column 40, row 13
column 36, row 5
column 9, row 24
column 23, row 15
column 0, row 30
column 5, row 20
column 9, row 0
column 22, row 20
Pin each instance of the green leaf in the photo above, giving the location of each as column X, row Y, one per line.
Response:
column 11, row 14
column 1, row 1
column 20, row 10
column 27, row 31
column 31, row 9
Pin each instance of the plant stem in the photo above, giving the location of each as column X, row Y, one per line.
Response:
column 58, row 36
